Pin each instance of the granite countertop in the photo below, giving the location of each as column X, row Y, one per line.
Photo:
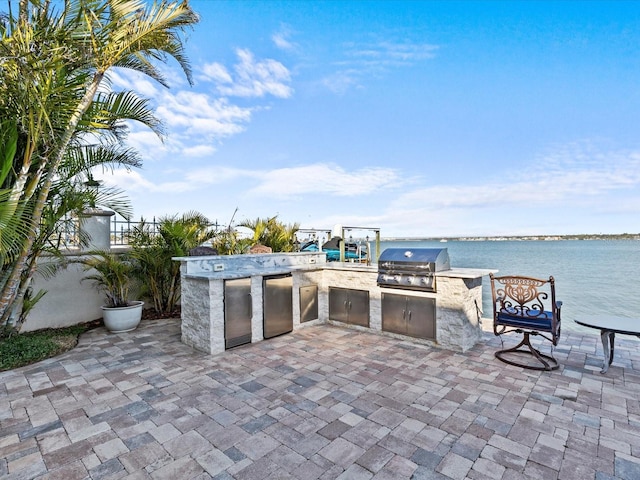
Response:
column 452, row 273
column 251, row 272
column 346, row 266
column 466, row 272
column 353, row 267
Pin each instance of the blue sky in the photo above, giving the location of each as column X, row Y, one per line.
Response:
column 421, row 118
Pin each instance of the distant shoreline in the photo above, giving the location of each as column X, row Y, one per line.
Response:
column 504, row 238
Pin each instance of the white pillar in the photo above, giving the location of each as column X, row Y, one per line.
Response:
column 96, row 224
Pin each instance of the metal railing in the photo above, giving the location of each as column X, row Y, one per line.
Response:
column 121, row 228
column 67, row 231
column 66, row 234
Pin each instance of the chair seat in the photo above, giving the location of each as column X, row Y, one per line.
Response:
column 539, row 322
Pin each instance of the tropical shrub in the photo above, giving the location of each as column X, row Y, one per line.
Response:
column 272, row 233
column 230, row 242
column 153, row 250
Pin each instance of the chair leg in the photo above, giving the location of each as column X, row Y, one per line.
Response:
column 548, row 362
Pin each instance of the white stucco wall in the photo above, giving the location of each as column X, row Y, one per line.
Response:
column 69, row 300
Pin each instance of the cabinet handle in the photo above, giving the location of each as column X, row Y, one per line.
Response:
column 409, row 315
column 349, row 304
column 345, row 305
column 404, row 314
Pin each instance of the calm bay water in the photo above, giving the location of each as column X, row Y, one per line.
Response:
column 593, row 277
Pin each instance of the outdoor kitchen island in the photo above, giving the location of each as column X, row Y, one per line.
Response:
column 229, row 300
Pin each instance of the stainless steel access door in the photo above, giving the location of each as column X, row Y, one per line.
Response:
column 278, row 305
column 409, row 315
column 349, row 306
column 308, row 303
column 237, row 312
column 394, row 313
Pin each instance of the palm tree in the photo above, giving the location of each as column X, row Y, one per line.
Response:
column 57, row 120
column 272, row 233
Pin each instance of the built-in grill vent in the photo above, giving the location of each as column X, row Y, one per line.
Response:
column 412, row 268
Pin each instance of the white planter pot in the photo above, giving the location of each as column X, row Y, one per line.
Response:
column 122, row 319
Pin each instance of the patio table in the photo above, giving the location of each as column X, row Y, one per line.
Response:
column 609, row 326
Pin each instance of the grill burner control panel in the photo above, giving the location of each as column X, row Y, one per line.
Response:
column 412, row 282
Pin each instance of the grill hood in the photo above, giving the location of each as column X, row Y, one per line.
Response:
column 412, row 268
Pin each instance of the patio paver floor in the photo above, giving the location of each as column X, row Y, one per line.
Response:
column 323, row 402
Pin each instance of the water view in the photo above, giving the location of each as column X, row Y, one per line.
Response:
column 592, row 276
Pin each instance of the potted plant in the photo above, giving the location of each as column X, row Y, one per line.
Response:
column 114, row 275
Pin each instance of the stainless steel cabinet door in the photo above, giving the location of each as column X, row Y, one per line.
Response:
column 338, row 304
column 349, row 306
column 237, row 312
column 408, row 315
column 278, row 305
column 394, row 310
column 358, row 307
column 421, row 317
column 308, row 303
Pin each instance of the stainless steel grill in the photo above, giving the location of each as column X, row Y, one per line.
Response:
column 412, row 268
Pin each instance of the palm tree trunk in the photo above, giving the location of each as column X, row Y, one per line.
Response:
column 10, row 289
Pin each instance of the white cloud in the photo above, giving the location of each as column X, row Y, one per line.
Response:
column 342, row 81
column 202, row 117
column 574, row 182
column 303, row 180
column 362, row 61
column 324, row 179
column 218, row 174
column 147, row 143
column 127, row 180
column 391, row 53
column 199, row 151
column 251, row 78
column 134, row 181
column 570, row 176
column 197, row 122
column 143, row 139
column 216, row 72
column 123, row 79
column 280, row 41
column 281, row 38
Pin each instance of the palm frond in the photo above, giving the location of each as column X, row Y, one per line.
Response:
column 86, row 157
column 112, row 108
column 132, row 28
column 115, row 199
column 15, row 225
column 8, row 147
column 142, row 64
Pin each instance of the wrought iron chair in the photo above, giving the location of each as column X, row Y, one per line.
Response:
column 528, row 306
